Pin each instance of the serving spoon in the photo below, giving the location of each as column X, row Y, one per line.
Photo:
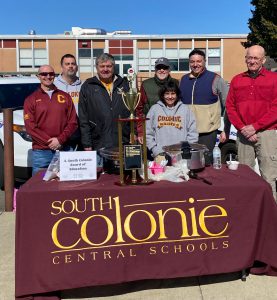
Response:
column 194, row 175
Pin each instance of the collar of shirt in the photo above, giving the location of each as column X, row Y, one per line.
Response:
column 255, row 75
column 108, row 87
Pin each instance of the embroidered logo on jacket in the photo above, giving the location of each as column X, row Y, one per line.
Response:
column 61, row 98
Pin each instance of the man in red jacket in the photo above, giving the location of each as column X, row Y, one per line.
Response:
column 50, row 119
column 252, row 109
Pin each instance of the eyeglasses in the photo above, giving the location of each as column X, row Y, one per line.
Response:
column 51, row 74
column 249, row 58
column 162, row 67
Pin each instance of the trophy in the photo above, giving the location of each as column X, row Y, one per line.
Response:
column 131, row 156
column 131, row 98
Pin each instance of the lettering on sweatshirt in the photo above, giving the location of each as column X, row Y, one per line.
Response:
column 173, row 121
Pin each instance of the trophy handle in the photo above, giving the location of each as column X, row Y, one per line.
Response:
column 122, row 96
column 138, row 100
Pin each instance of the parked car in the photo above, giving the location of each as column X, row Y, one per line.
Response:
column 13, row 91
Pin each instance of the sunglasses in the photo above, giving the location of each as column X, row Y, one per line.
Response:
column 47, row 73
column 162, row 67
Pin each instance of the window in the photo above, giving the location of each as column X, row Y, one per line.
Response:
column 178, row 58
column 123, row 57
column 174, row 64
column 32, row 58
column 178, row 62
column 214, row 59
column 155, row 54
column 85, row 65
column 127, row 57
column 125, row 68
column 87, row 57
column 85, row 52
column 143, row 59
column 172, row 55
column 183, row 64
column 116, row 68
column 40, row 57
column 214, row 52
column 26, row 58
column 97, row 52
column 214, row 68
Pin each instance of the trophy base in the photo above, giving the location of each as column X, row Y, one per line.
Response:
column 128, row 180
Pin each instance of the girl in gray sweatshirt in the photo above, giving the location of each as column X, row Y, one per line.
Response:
column 170, row 121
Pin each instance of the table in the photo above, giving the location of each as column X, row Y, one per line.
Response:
column 77, row 234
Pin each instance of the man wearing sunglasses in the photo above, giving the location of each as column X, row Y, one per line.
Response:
column 150, row 90
column 50, row 119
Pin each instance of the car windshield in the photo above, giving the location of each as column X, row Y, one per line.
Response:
column 13, row 95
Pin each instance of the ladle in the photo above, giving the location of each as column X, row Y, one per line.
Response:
column 194, row 175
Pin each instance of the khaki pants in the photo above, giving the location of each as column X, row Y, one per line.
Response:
column 265, row 150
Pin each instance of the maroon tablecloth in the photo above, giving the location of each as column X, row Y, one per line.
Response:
column 77, row 234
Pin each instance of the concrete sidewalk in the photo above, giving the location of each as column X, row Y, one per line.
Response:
column 221, row 287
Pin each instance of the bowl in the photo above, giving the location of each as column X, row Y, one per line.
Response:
column 233, row 165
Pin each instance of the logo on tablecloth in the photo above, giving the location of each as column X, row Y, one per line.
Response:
column 109, row 229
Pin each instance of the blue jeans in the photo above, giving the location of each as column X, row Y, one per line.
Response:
column 99, row 160
column 42, row 158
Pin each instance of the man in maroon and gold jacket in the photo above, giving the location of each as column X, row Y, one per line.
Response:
column 50, row 119
column 252, row 109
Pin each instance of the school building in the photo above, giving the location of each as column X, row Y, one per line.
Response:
column 25, row 53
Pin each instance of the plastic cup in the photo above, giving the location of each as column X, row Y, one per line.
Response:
column 233, row 165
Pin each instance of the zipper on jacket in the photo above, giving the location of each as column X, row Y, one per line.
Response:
column 192, row 91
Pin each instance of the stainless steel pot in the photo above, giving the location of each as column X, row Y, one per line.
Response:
column 193, row 152
column 111, row 163
column 197, row 160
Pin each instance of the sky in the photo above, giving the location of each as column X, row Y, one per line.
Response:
column 140, row 17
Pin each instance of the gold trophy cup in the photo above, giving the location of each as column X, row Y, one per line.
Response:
column 131, row 100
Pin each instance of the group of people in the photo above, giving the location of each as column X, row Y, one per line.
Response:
column 187, row 111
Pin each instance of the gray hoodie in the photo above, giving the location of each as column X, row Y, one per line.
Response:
column 167, row 126
column 72, row 89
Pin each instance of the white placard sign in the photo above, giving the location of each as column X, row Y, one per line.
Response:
column 78, row 165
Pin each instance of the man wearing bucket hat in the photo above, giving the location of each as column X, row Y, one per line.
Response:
column 150, row 90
